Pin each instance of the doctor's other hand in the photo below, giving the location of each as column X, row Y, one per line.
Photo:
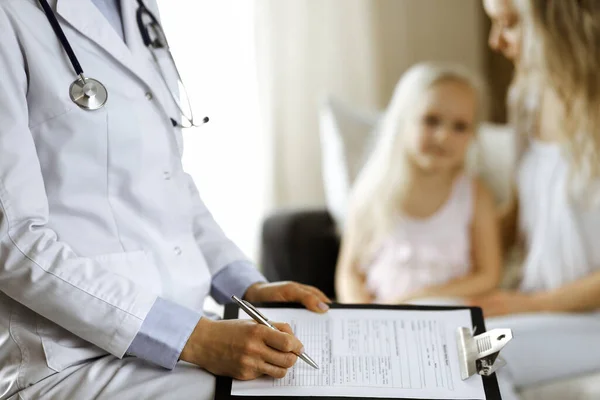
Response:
column 242, row 349
column 309, row 296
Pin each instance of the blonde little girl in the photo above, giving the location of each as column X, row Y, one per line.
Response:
column 418, row 225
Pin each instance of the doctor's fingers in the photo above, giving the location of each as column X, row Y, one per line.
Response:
column 283, row 327
column 311, row 301
column 272, row 370
column 283, row 341
column 252, row 367
column 317, row 293
column 261, row 368
column 278, row 359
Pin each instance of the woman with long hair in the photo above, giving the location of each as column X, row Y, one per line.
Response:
column 554, row 106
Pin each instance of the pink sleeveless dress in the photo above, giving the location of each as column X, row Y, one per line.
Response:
column 425, row 252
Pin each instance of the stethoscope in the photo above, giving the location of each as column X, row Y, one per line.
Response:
column 90, row 94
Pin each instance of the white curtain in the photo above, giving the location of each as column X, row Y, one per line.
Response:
column 306, row 49
column 355, row 50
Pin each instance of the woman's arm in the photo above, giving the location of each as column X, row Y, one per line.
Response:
column 578, row 296
column 349, row 281
column 487, row 256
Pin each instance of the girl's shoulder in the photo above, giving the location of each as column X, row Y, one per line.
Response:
column 464, row 185
column 471, row 192
column 459, row 204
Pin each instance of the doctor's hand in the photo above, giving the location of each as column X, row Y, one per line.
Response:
column 242, row 349
column 311, row 297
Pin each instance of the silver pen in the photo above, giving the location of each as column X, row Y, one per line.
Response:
column 261, row 319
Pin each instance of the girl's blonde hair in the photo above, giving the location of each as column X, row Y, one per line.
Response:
column 561, row 53
column 375, row 196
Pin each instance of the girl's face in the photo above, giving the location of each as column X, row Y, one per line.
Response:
column 505, row 34
column 438, row 137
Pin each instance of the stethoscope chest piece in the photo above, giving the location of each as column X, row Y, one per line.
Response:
column 88, row 93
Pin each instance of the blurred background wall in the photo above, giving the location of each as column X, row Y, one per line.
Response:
column 355, row 50
column 260, row 68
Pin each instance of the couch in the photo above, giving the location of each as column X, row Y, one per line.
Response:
column 303, row 245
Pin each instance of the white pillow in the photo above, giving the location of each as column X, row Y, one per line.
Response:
column 494, row 155
column 346, row 139
column 347, row 136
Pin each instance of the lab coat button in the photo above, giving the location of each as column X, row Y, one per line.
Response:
column 167, row 175
column 149, row 95
column 177, row 250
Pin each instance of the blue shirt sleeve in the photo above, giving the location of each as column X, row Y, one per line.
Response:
column 168, row 325
column 234, row 279
column 164, row 333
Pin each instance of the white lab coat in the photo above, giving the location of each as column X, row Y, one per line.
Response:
column 97, row 217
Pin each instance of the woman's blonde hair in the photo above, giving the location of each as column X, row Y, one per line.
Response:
column 561, row 53
column 375, row 196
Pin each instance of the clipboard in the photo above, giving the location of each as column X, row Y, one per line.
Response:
column 490, row 383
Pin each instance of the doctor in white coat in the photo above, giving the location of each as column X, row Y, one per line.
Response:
column 107, row 252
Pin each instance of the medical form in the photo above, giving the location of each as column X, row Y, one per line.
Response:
column 372, row 353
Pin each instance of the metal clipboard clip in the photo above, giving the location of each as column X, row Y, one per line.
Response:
column 479, row 354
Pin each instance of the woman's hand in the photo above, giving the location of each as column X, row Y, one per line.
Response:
column 311, row 297
column 242, row 349
column 505, row 302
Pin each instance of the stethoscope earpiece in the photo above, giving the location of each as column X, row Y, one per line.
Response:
column 177, row 124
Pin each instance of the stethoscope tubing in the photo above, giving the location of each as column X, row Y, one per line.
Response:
column 61, row 36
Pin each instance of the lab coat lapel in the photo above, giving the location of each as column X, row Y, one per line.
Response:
column 136, row 45
column 89, row 21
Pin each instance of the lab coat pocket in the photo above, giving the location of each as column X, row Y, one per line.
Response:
column 62, row 348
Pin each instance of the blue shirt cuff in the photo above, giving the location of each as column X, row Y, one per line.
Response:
column 234, row 279
column 164, row 333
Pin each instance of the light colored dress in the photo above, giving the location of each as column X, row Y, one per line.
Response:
column 561, row 233
column 424, row 252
